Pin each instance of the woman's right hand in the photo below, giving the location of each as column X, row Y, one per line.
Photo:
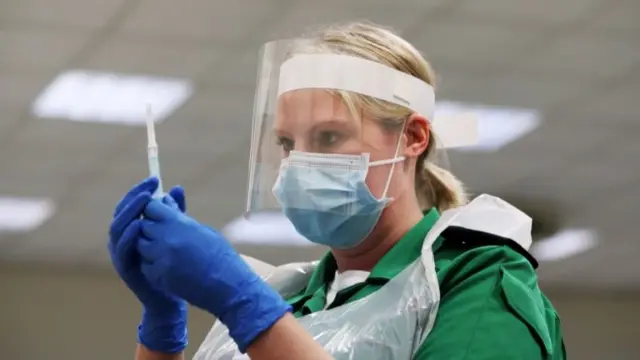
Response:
column 163, row 327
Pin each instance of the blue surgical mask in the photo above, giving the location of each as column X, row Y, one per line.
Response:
column 326, row 198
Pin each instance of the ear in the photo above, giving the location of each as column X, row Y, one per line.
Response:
column 417, row 134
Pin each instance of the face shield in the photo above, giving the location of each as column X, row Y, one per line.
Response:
column 310, row 103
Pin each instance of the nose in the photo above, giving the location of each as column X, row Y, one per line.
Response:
column 302, row 145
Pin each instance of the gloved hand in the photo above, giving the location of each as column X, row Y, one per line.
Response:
column 197, row 264
column 163, row 326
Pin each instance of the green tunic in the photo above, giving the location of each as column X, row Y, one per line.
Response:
column 490, row 304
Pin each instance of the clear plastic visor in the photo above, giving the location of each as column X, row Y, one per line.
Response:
column 310, row 101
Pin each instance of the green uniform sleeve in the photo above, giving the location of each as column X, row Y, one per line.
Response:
column 491, row 308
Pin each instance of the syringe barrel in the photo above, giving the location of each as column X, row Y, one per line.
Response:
column 154, row 170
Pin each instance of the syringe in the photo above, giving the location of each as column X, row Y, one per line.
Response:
column 152, row 153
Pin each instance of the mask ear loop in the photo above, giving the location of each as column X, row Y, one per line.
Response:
column 395, row 160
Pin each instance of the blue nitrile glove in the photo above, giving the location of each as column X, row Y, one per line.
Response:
column 163, row 327
column 197, row 264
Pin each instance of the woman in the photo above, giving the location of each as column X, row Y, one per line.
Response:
column 414, row 272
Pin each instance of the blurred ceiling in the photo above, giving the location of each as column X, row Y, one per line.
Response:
column 577, row 61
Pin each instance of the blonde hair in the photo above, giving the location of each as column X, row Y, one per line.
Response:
column 434, row 185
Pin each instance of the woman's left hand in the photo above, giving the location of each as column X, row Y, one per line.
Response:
column 196, row 263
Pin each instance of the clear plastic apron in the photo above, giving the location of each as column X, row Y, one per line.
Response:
column 391, row 323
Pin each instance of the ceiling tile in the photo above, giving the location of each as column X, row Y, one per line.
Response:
column 303, row 16
column 152, row 57
column 34, row 163
column 598, row 176
column 221, row 22
column 511, row 88
column 618, row 101
column 471, row 44
column 9, row 122
column 19, row 90
column 34, row 183
column 574, row 187
column 107, row 189
column 584, row 56
column 546, row 152
column 99, row 213
column 33, row 174
column 52, row 243
column 223, row 108
column 237, row 70
column 627, row 150
column 623, row 204
column 586, row 269
column 222, row 120
column 457, row 84
column 84, row 13
column 109, row 184
column 215, row 198
column 24, row 48
column 55, row 163
column 220, row 196
column 210, row 124
column 42, row 134
column 620, row 15
column 185, row 166
column 212, row 140
column 230, row 163
column 411, row 5
column 545, row 11
column 175, row 166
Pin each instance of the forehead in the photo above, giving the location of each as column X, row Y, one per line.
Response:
column 308, row 107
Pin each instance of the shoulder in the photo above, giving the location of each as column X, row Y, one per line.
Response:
column 465, row 253
column 491, row 306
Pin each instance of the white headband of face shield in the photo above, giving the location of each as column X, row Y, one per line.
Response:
column 366, row 77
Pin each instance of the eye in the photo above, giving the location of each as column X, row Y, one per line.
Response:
column 327, row 138
column 286, row 144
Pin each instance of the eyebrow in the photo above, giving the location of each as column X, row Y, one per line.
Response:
column 337, row 122
column 333, row 122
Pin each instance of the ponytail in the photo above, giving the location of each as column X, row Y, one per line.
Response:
column 439, row 188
